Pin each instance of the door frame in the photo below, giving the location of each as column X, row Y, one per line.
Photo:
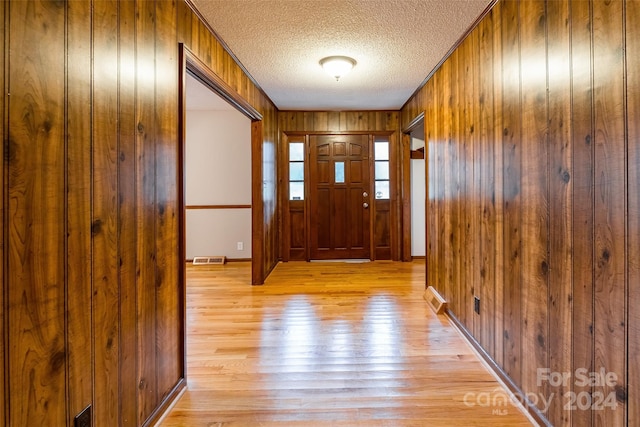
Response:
column 406, row 185
column 191, row 64
column 395, row 157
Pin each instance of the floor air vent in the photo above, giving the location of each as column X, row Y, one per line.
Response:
column 205, row 260
column 435, row 301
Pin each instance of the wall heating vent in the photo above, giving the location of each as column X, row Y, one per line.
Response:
column 202, row 260
column 435, row 301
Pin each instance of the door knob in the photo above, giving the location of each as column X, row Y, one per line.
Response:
column 365, row 205
column 365, row 194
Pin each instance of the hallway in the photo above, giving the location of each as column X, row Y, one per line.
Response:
column 328, row 344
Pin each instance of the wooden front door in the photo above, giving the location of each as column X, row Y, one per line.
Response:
column 339, row 197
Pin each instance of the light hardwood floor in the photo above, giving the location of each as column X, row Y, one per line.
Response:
column 328, row 344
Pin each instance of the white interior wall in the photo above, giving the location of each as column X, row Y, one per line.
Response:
column 418, row 200
column 217, row 231
column 218, row 172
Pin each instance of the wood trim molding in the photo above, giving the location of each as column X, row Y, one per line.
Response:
column 338, row 132
column 218, row 207
column 414, row 123
column 158, row 414
column 257, row 213
column 417, row 154
column 498, row 371
column 406, row 197
column 182, row 213
column 206, row 76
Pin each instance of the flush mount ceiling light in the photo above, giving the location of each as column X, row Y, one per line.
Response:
column 337, row 66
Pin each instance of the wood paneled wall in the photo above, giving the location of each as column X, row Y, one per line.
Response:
column 92, row 297
column 532, row 134
column 387, row 224
column 339, row 121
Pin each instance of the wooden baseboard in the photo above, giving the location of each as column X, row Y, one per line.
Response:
column 531, row 409
column 166, row 405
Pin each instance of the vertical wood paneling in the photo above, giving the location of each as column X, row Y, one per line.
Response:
column 447, row 225
column 208, row 49
column 511, row 149
column 257, row 202
column 338, row 121
column 127, row 233
column 79, row 137
column 405, row 244
column 36, row 214
column 3, row 306
column 196, row 31
column 455, row 152
column 431, row 178
column 49, row 206
column 216, row 54
column 146, row 209
column 564, row 184
column 498, row 194
column 270, row 239
column 560, row 203
column 91, row 292
column 441, row 169
column 185, row 24
column 464, row 197
column 105, row 212
column 610, row 203
column 486, row 165
column 333, row 120
column 583, row 199
column 320, row 121
column 293, row 235
column 534, row 202
column 168, row 286
column 633, row 227
column 473, row 179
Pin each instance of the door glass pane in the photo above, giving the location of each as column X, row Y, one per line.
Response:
column 381, row 150
column 296, row 151
column 382, row 170
column 339, row 172
column 382, row 189
column 296, row 191
column 296, row 171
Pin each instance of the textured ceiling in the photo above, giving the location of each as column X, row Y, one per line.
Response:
column 395, row 42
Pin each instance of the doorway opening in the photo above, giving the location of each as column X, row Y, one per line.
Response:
column 418, row 192
column 217, row 177
column 195, row 72
column 415, row 170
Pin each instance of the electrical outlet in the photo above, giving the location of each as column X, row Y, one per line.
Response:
column 476, row 305
column 240, row 246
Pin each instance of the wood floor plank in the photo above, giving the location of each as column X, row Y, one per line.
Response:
column 336, row 344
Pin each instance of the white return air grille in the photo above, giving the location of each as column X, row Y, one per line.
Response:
column 204, row 260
